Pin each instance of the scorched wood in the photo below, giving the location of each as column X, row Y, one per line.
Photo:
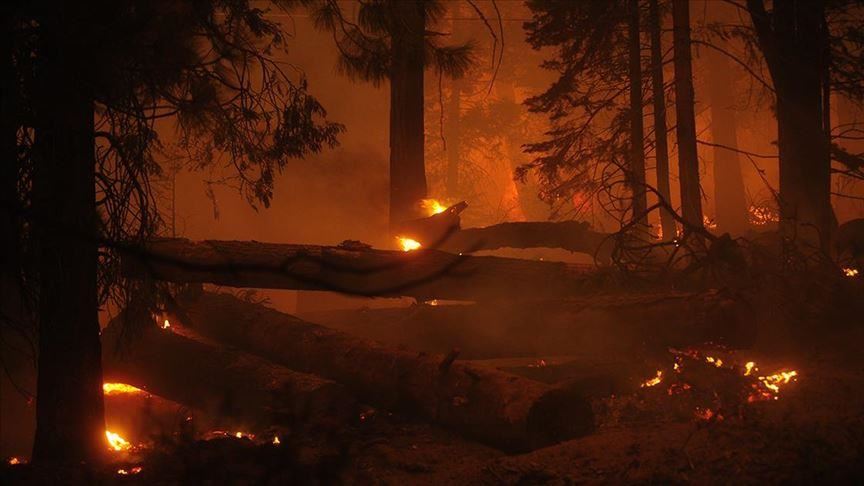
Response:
column 425, row 274
column 504, row 410
column 220, row 381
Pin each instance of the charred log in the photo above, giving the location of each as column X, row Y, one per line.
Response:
column 424, row 274
column 505, row 410
column 221, row 382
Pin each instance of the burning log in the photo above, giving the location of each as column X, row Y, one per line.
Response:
column 424, row 274
column 219, row 381
column 442, row 231
column 505, row 410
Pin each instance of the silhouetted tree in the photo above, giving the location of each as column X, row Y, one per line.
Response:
column 688, row 160
column 95, row 80
column 393, row 40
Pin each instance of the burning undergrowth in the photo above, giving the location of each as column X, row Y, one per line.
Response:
column 703, row 384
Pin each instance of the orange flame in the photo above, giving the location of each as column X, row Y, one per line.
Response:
column 850, row 272
column 653, row 381
column 165, row 324
column 432, row 206
column 14, row 461
column 407, row 244
column 119, row 389
column 116, row 442
column 276, row 440
column 134, row 470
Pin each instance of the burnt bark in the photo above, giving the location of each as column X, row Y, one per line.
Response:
column 661, row 143
column 507, row 411
column 424, row 274
column 688, row 161
column 407, row 164
column 69, row 408
column 793, row 40
column 175, row 365
column 637, row 142
column 730, row 201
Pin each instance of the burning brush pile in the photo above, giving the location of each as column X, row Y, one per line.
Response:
column 705, row 384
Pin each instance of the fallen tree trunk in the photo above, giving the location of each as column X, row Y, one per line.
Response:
column 221, row 382
column 443, row 232
column 505, row 410
column 619, row 325
column 425, row 274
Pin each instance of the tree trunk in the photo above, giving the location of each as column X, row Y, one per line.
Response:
column 69, row 409
column 793, row 42
column 424, row 274
column 730, row 200
column 10, row 234
column 688, row 161
column 637, row 143
column 505, row 410
column 407, row 166
column 173, row 364
column 661, row 149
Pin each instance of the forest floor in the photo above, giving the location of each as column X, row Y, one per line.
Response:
column 813, row 432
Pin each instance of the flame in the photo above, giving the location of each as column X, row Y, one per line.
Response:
column 749, row 367
column 653, row 381
column 14, row 461
column 116, row 442
column 762, row 215
column 276, row 440
column 709, row 222
column 119, row 389
column 704, row 414
column 407, row 244
column 773, row 382
column 241, row 435
column 134, row 470
column 850, row 272
column 715, row 361
column 432, row 206
column 433, row 302
column 165, row 324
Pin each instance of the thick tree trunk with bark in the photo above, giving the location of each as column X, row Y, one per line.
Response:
column 425, row 274
column 688, row 161
column 407, row 165
column 730, row 201
column 504, row 410
column 637, row 142
column 661, row 148
column 175, row 365
column 793, row 41
column 69, row 407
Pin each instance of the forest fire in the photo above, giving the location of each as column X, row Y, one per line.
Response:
column 432, row 242
column 408, row 244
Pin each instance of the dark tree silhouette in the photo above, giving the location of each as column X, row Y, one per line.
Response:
column 393, row 40
column 637, row 142
column 688, row 161
column 93, row 82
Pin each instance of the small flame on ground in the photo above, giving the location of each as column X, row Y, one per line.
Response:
column 165, row 324
column 15, row 461
column 850, row 272
column 126, row 472
column 715, row 361
column 241, row 435
column 762, row 215
column 407, row 244
column 773, row 382
column 433, row 302
column 432, row 206
column 653, row 381
column 709, row 222
column 276, row 440
column 116, row 442
column 119, row 389
column 749, row 367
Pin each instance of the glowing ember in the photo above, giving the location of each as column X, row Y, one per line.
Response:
column 653, row 381
column 407, row 244
column 715, row 361
column 706, row 414
column 276, row 440
column 433, row 302
column 120, row 389
column 241, row 435
column 126, row 472
column 165, row 324
column 116, row 442
column 15, row 461
column 773, row 382
column 432, row 206
column 762, row 215
column 709, row 222
column 749, row 367
column 850, row 272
